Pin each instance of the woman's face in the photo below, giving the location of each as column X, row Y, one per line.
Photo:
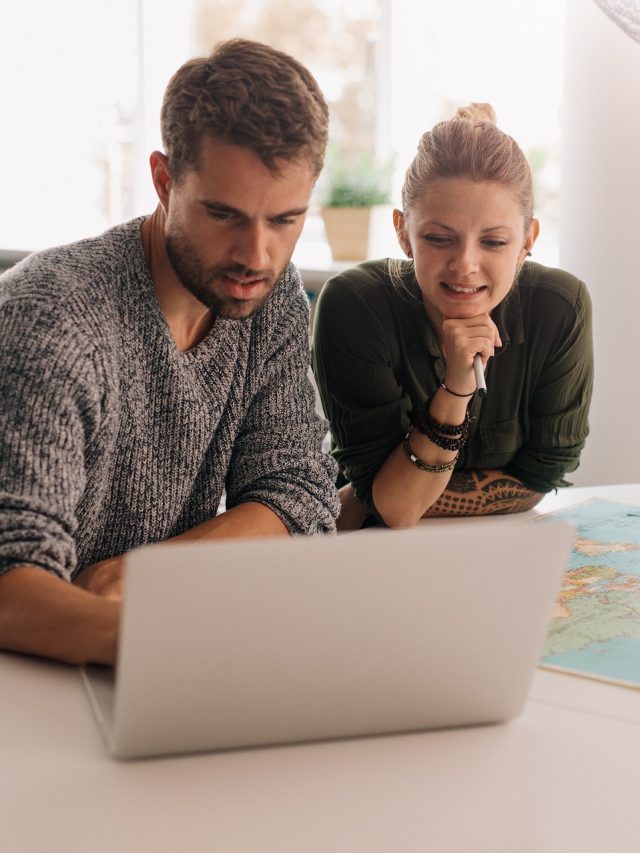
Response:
column 467, row 239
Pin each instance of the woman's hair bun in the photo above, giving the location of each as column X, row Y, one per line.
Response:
column 477, row 112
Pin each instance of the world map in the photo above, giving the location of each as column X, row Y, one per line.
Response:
column 595, row 628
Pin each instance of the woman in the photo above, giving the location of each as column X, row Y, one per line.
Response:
column 395, row 342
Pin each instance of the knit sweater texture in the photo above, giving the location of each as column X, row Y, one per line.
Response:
column 110, row 438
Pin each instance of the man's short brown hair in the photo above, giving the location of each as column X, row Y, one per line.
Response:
column 247, row 94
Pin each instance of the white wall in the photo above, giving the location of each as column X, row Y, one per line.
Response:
column 600, row 226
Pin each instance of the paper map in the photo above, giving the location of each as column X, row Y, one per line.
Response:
column 595, row 629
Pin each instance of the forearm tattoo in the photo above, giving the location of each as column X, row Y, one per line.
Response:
column 479, row 492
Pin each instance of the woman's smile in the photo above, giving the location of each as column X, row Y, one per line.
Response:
column 467, row 239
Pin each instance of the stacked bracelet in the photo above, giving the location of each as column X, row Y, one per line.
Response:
column 446, row 436
column 424, row 466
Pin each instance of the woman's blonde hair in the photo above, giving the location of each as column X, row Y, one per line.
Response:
column 469, row 146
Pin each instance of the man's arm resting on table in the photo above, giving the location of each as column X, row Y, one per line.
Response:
column 247, row 520
column 483, row 492
column 41, row 614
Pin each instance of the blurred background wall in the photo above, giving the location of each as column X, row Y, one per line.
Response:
column 599, row 235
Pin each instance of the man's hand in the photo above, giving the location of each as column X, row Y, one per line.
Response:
column 79, row 622
column 105, row 579
column 40, row 614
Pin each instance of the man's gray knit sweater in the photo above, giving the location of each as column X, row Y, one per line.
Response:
column 111, row 438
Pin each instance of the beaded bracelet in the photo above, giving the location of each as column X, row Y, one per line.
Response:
column 446, row 436
column 425, row 416
column 442, row 440
column 424, row 466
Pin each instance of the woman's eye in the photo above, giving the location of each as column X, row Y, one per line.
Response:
column 495, row 244
column 438, row 239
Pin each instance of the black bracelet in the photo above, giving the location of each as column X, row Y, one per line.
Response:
column 455, row 393
column 443, row 441
column 445, row 429
column 424, row 466
column 446, row 436
column 423, row 420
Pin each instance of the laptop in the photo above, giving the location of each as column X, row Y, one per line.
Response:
column 255, row 642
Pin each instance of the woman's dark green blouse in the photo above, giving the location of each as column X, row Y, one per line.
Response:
column 376, row 358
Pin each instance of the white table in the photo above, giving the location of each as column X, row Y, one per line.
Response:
column 562, row 777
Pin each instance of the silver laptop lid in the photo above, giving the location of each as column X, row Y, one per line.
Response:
column 254, row 642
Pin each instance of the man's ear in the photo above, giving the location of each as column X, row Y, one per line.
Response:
column 399, row 225
column 160, row 176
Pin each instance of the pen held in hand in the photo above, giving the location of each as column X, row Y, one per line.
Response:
column 478, row 369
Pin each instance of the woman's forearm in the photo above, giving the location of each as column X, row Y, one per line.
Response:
column 483, row 492
column 401, row 491
column 417, row 472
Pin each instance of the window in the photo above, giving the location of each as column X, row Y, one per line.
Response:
column 507, row 52
column 69, row 119
column 83, row 83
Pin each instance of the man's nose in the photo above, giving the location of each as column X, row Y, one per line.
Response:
column 251, row 248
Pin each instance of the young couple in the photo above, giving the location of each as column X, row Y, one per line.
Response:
column 150, row 369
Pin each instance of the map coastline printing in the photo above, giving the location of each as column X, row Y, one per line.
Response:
column 595, row 627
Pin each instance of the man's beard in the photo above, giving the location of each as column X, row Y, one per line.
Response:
column 200, row 281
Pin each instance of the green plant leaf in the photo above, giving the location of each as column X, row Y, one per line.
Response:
column 356, row 180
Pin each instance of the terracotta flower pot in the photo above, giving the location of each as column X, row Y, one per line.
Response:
column 358, row 233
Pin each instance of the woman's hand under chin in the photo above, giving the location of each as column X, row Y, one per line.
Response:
column 461, row 340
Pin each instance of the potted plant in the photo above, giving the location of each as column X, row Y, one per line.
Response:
column 357, row 209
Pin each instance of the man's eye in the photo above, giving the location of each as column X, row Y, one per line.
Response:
column 220, row 215
column 284, row 220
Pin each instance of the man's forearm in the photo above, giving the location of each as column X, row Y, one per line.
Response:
column 246, row 520
column 78, row 623
column 483, row 492
column 41, row 614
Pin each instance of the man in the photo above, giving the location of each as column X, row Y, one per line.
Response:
column 149, row 369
